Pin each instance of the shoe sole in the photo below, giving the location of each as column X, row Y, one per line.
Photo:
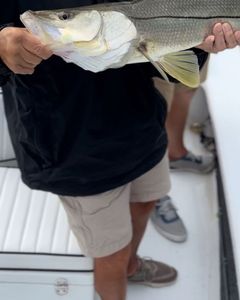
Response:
column 154, row 285
column 195, row 171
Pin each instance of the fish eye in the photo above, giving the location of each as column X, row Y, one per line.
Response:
column 64, row 16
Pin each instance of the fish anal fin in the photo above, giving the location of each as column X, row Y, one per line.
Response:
column 182, row 66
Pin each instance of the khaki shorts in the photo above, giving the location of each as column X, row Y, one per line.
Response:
column 102, row 223
column 167, row 89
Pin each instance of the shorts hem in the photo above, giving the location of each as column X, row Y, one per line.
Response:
column 110, row 249
column 150, row 196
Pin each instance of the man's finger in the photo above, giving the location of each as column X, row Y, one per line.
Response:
column 21, row 61
column 220, row 43
column 229, row 36
column 33, row 45
column 237, row 36
column 42, row 51
column 208, row 43
column 30, row 58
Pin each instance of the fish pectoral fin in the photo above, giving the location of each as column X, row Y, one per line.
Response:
column 144, row 52
column 182, row 66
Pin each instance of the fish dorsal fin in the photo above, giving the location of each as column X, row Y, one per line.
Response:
column 182, row 66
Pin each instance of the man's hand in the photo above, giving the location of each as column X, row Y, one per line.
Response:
column 222, row 38
column 21, row 51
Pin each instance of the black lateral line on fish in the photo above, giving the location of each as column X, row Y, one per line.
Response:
column 184, row 17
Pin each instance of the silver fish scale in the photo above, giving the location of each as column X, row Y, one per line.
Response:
column 184, row 8
column 177, row 34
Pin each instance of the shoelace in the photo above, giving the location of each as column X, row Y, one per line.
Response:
column 194, row 158
column 166, row 208
column 144, row 267
column 140, row 270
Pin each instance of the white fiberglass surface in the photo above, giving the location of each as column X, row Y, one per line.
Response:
column 6, row 150
column 197, row 260
column 222, row 89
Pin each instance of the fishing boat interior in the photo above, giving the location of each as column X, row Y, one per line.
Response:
column 39, row 255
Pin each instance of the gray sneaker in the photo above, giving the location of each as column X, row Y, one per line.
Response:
column 153, row 273
column 193, row 163
column 167, row 221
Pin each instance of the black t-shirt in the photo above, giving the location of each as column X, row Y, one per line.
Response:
column 79, row 133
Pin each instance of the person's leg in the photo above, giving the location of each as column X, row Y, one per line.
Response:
column 176, row 121
column 102, row 226
column 111, row 282
column 181, row 159
column 111, row 275
column 140, row 213
column 178, row 97
column 164, row 216
column 152, row 185
column 105, row 231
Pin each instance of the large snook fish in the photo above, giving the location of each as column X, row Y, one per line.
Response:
column 111, row 35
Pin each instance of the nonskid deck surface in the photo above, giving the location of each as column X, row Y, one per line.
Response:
column 197, row 260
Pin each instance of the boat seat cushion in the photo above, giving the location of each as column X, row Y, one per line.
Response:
column 34, row 229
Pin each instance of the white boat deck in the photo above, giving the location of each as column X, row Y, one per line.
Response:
column 197, row 260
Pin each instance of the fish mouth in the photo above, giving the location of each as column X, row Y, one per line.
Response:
column 40, row 26
column 46, row 17
column 41, row 16
column 30, row 21
column 30, row 17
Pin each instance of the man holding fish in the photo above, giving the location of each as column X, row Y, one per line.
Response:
column 96, row 140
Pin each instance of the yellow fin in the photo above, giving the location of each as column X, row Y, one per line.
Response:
column 143, row 51
column 182, row 66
